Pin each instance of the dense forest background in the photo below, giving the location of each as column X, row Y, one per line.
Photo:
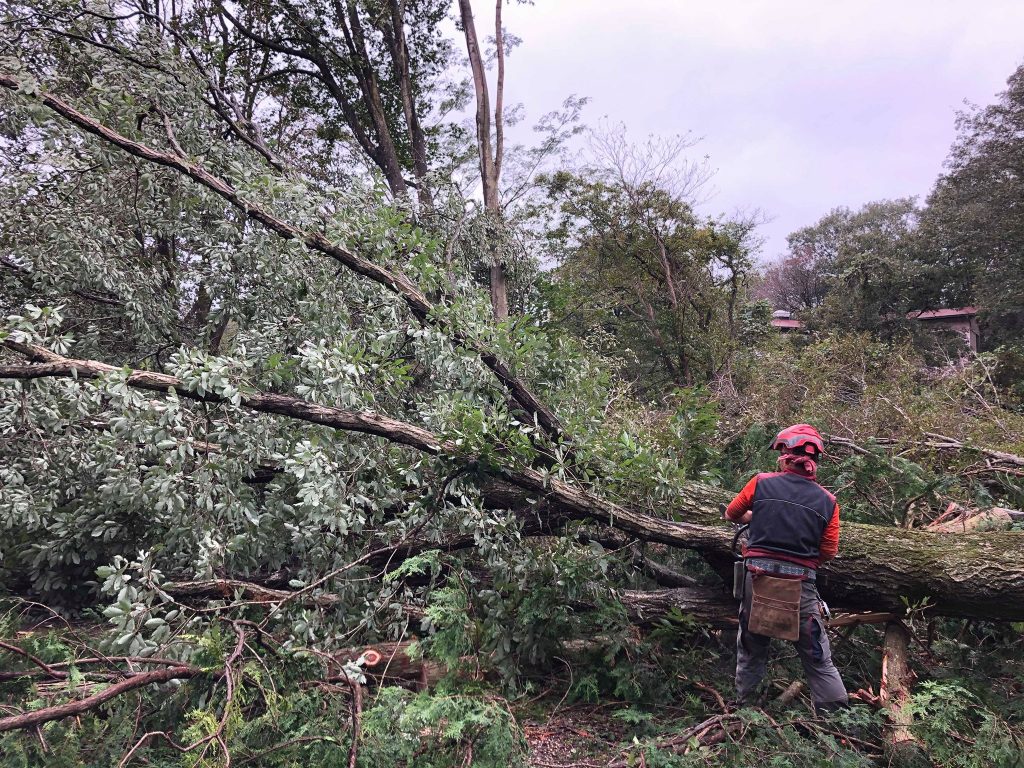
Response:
column 336, row 429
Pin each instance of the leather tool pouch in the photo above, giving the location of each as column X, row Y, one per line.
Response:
column 775, row 607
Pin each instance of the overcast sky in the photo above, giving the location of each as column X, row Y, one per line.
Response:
column 803, row 106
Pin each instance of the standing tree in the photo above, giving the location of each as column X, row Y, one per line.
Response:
column 637, row 263
column 864, row 260
column 490, row 148
column 349, row 64
column 796, row 282
column 972, row 244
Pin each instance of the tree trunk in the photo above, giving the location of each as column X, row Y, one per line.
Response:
column 372, row 100
column 978, row 575
column 490, row 160
column 387, row 664
column 395, row 37
column 901, row 747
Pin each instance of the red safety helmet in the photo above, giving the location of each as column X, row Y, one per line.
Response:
column 799, row 438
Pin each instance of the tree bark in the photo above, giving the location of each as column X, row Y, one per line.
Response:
column 490, row 160
column 388, row 663
column 352, row 27
column 901, row 746
column 307, row 48
column 881, row 568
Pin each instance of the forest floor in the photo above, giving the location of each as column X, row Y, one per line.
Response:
column 574, row 735
column 583, row 735
column 588, row 735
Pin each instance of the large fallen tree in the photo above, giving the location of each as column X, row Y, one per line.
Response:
column 885, row 569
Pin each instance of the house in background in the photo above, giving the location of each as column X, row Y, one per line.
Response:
column 783, row 320
column 962, row 320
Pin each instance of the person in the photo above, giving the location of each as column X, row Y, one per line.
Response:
column 794, row 527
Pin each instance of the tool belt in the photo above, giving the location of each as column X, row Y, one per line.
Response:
column 775, row 607
column 778, row 567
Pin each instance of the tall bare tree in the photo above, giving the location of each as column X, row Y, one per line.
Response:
column 491, row 155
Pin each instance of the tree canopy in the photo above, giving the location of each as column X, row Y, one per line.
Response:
column 972, row 226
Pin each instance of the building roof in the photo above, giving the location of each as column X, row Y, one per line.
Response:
column 785, row 322
column 942, row 314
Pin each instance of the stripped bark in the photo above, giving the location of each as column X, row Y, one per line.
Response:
column 790, row 693
column 901, row 746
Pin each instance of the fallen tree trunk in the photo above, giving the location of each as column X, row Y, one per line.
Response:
column 879, row 568
column 387, row 664
column 975, row 575
column 969, row 575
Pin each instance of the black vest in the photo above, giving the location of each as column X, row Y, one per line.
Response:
column 790, row 513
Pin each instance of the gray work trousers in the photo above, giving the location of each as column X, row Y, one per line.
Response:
column 813, row 648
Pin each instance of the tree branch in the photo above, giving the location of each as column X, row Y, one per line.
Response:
column 140, row 680
column 397, row 283
column 366, row 422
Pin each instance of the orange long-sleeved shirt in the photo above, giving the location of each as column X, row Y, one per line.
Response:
column 828, row 547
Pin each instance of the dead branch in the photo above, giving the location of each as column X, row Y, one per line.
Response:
column 139, row 680
column 935, row 442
